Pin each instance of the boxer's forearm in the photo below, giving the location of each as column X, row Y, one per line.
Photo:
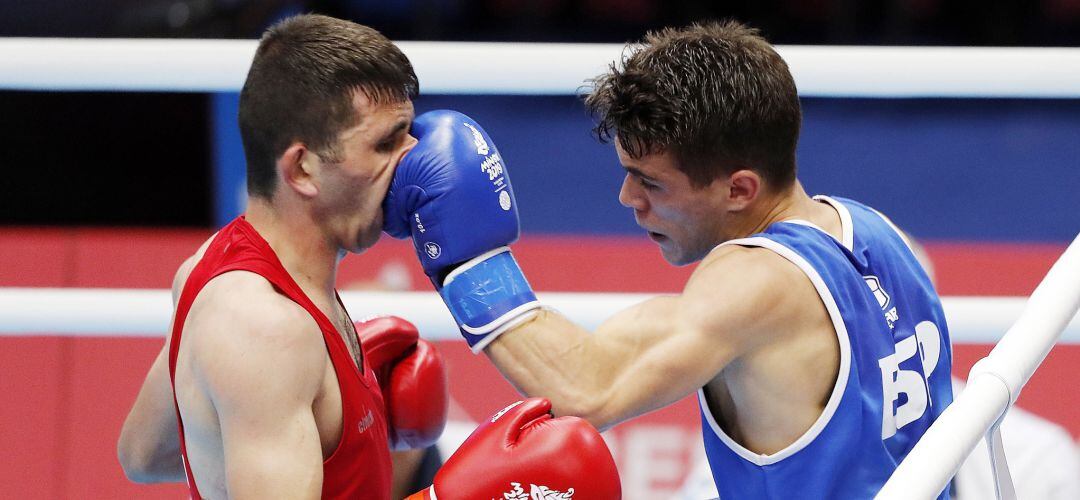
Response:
column 639, row 360
column 605, row 377
column 550, row 357
column 154, row 468
column 149, row 446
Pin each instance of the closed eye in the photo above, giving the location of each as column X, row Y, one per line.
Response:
column 646, row 182
column 647, row 185
column 387, row 145
column 393, row 138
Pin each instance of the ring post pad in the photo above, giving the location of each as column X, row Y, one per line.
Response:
column 486, row 293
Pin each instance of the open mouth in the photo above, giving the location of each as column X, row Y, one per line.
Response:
column 657, row 237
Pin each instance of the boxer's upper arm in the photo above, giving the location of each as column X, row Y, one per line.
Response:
column 149, row 444
column 673, row 346
column 654, row 353
column 261, row 359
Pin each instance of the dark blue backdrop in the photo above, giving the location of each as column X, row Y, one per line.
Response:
column 956, row 169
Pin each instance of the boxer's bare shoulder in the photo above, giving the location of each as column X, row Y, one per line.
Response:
column 243, row 307
column 241, row 331
column 182, row 272
column 747, row 289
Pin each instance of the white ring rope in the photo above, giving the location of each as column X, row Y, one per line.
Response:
column 541, row 68
column 146, row 313
column 993, row 384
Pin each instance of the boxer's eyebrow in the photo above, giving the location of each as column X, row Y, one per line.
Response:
column 639, row 173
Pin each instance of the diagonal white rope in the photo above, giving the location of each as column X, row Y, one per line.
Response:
column 540, row 68
column 993, row 384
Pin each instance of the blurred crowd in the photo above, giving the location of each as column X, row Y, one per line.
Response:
column 862, row 22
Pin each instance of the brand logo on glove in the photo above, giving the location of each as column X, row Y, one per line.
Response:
column 504, row 410
column 478, row 139
column 537, row 493
column 419, row 225
column 493, row 167
column 433, row 250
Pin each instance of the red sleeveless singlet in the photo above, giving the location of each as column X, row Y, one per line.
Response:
column 360, row 466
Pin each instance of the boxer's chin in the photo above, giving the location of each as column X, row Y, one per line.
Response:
column 670, row 256
column 368, row 234
column 675, row 254
column 668, row 249
column 366, row 239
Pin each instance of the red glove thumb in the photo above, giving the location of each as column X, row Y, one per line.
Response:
column 412, row 378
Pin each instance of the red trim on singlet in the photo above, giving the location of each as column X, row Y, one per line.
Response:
column 360, row 465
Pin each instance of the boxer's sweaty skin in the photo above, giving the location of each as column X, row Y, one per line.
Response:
column 245, row 298
column 285, row 414
column 749, row 327
column 248, row 434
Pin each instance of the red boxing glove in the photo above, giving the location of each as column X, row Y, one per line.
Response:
column 523, row 453
column 412, row 379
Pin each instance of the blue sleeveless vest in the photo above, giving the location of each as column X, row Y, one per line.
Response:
column 895, row 362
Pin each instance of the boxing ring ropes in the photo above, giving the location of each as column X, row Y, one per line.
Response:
column 994, row 383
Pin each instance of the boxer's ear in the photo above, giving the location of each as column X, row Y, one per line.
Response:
column 297, row 167
column 742, row 188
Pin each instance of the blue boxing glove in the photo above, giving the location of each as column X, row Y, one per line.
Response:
column 452, row 195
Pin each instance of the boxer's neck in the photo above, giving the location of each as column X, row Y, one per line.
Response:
column 792, row 203
column 310, row 257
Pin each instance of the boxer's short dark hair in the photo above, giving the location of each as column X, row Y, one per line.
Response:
column 716, row 95
column 300, row 87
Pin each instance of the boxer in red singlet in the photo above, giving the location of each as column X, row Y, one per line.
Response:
column 273, row 394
